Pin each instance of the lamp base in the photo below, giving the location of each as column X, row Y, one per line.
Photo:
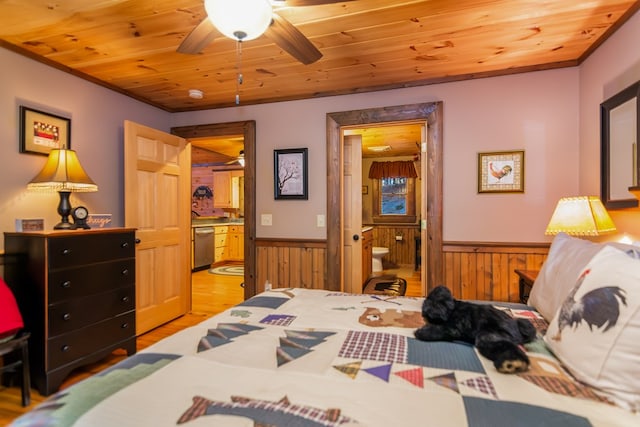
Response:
column 64, row 210
column 63, row 226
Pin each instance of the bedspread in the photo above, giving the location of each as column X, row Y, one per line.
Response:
column 296, row 357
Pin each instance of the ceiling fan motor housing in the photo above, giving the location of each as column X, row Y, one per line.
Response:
column 240, row 19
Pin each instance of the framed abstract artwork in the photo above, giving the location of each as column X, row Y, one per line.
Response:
column 41, row 131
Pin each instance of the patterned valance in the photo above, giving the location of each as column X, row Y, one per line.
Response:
column 397, row 169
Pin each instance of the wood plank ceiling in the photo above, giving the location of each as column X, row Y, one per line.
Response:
column 130, row 46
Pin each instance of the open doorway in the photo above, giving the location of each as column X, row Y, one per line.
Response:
column 246, row 131
column 431, row 223
column 390, row 184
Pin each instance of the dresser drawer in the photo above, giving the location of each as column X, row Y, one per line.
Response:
column 75, row 345
column 68, row 251
column 90, row 279
column 74, row 314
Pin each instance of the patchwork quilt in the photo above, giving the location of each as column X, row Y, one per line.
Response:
column 296, row 357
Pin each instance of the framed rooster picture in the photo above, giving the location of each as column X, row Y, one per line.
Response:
column 501, row 172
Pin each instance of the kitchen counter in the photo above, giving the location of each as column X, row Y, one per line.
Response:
column 212, row 222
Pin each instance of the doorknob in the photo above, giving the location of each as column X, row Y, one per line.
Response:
column 356, row 237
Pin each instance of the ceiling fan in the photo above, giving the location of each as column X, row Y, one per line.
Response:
column 239, row 159
column 279, row 30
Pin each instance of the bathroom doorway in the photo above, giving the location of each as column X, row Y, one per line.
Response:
column 431, row 235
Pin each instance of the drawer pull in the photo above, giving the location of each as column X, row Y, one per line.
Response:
column 124, row 245
column 124, row 326
column 66, row 316
column 66, row 284
column 65, row 348
column 125, row 272
column 66, row 251
column 125, row 299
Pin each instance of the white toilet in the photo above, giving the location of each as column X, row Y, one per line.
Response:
column 376, row 259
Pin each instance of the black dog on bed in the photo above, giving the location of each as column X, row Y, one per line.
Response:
column 496, row 335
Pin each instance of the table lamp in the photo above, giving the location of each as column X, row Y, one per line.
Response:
column 580, row 216
column 64, row 174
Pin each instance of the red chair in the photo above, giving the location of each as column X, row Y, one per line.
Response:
column 14, row 342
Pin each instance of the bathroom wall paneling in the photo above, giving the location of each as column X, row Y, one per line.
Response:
column 401, row 252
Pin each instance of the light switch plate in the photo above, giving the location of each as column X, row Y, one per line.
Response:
column 266, row 219
column 320, row 221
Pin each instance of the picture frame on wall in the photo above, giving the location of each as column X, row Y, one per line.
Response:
column 41, row 131
column 501, row 172
column 290, row 174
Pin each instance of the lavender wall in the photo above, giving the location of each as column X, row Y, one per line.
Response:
column 552, row 115
column 537, row 112
column 97, row 116
column 611, row 68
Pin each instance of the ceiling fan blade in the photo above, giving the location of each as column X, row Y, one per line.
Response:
column 291, row 40
column 312, row 2
column 198, row 38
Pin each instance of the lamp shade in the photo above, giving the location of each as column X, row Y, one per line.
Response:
column 580, row 216
column 62, row 172
column 240, row 19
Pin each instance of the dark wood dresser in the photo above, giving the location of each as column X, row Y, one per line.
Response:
column 76, row 291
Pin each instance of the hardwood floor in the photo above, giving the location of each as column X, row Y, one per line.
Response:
column 211, row 294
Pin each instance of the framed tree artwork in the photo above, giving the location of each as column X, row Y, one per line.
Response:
column 290, row 174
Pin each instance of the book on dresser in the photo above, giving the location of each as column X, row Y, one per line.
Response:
column 76, row 291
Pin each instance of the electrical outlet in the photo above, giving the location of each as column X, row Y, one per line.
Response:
column 266, row 219
column 320, row 221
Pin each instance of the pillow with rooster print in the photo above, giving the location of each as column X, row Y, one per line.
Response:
column 566, row 259
column 596, row 330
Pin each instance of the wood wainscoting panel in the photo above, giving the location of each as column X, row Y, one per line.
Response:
column 472, row 270
column 291, row 263
column 485, row 271
column 401, row 252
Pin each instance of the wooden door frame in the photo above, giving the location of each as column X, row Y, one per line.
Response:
column 431, row 113
column 248, row 130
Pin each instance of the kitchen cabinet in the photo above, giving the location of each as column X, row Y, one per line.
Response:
column 77, row 295
column 235, row 241
column 226, row 189
column 229, row 243
column 221, row 253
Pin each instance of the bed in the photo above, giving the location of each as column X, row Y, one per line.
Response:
column 300, row 357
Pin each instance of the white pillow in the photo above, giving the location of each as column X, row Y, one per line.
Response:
column 566, row 259
column 596, row 331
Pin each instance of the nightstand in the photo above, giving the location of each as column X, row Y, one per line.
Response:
column 525, row 282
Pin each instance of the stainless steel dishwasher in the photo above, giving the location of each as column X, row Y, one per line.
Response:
column 203, row 247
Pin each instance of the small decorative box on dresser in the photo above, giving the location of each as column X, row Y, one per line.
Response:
column 76, row 291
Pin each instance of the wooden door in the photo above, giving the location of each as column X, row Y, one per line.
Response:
column 424, row 214
column 352, row 182
column 157, row 174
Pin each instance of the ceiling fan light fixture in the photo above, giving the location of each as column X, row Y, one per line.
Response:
column 380, row 148
column 240, row 19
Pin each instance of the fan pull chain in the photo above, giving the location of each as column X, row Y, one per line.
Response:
column 239, row 70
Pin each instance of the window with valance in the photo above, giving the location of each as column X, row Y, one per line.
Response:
column 393, row 191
